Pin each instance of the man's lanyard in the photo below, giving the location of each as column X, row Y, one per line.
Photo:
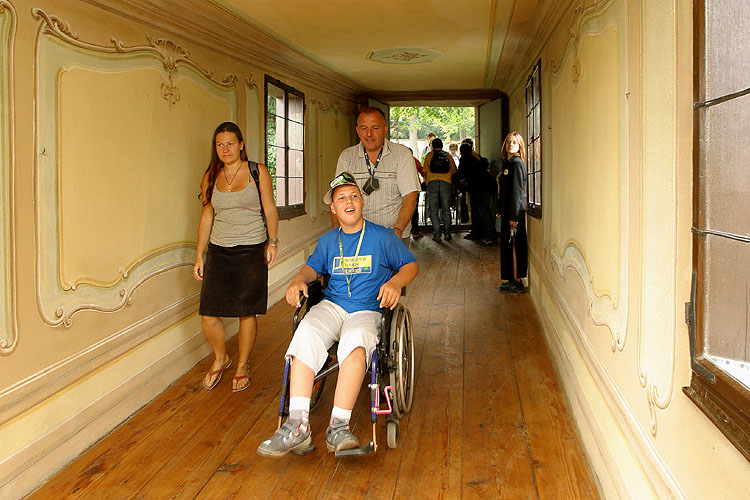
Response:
column 367, row 160
column 356, row 254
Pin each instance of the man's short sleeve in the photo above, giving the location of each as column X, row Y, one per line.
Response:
column 406, row 171
column 396, row 252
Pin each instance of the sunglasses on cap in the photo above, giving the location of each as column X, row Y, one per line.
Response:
column 342, row 179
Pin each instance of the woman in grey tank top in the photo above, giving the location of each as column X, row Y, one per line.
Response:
column 238, row 250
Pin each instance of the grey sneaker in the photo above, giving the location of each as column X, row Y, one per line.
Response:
column 339, row 437
column 292, row 436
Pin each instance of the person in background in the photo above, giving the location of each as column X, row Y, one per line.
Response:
column 234, row 274
column 453, row 150
column 474, row 175
column 385, row 173
column 428, row 147
column 415, row 231
column 439, row 169
column 512, row 205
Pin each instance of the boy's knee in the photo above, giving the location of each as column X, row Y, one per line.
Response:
column 356, row 357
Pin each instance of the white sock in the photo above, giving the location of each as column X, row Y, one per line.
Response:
column 299, row 408
column 341, row 414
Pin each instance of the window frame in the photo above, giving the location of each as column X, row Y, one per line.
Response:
column 533, row 88
column 724, row 400
column 286, row 211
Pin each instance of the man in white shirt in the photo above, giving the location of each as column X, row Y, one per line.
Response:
column 385, row 173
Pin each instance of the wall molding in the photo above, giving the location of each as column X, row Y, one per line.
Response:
column 227, row 32
column 8, row 311
column 604, row 309
column 59, row 299
column 639, row 440
column 23, row 472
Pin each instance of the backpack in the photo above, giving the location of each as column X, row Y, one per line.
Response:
column 439, row 163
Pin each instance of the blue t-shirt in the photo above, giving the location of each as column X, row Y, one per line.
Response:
column 381, row 255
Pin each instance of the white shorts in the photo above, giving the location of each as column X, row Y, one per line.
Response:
column 326, row 323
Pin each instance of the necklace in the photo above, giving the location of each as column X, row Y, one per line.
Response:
column 354, row 259
column 233, row 177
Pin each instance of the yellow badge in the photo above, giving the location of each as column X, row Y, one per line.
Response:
column 505, row 172
column 352, row 265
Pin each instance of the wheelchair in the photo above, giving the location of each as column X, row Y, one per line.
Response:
column 391, row 371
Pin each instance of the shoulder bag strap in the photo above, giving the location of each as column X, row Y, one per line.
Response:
column 255, row 174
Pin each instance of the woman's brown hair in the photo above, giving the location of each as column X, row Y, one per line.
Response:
column 521, row 146
column 215, row 166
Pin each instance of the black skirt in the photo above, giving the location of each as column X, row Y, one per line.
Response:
column 235, row 281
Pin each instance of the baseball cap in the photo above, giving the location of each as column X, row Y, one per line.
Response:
column 343, row 179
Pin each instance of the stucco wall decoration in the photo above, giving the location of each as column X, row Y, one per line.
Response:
column 591, row 180
column 121, row 138
column 8, row 326
column 254, row 120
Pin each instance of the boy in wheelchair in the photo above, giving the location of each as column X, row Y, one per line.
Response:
column 361, row 258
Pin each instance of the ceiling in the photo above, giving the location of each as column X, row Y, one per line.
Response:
column 396, row 46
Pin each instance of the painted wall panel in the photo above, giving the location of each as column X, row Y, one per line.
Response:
column 8, row 333
column 585, row 198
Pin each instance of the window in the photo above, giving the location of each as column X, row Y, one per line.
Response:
column 285, row 146
column 533, row 141
column 720, row 298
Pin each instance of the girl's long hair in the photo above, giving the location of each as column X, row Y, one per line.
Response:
column 521, row 146
column 215, row 166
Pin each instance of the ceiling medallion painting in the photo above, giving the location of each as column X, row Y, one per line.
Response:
column 403, row 55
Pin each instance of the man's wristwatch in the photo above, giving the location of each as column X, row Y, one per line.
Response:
column 274, row 242
column 400, row 231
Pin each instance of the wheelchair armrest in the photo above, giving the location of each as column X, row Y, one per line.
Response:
column 314, row 295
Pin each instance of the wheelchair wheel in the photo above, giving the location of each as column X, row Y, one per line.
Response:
column 402, row 353
column 409, row 371
column 391, row 429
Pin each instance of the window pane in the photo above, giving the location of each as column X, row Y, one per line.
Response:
column 296, row 165
column 280, row 162
column 727, row 180
column 271, row 160
column 271, row 130
column 727, row 58
column 529, row 97
column 296, row 137
column 296, row 108
column 538, row 188
column 280, row 191
column 296, row 191
column 275, row 100
column 537, row 86
column 727, row 302
column 538, row 155
column 280, row 127
column 537, row 122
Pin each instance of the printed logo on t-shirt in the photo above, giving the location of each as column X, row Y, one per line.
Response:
column 352, row 265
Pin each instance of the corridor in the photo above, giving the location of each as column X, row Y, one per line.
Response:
column 489, row 419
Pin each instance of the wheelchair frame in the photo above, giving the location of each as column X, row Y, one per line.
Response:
column 391, row 371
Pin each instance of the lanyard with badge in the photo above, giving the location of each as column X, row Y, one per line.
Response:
column 372, row 183
column 356, row 254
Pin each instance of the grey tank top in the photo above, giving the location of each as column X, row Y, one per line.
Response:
column 237, row 219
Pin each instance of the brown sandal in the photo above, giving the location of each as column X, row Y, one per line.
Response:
column 238, row 378
column 214, row 372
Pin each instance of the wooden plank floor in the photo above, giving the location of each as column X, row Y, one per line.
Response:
column 488, row 421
